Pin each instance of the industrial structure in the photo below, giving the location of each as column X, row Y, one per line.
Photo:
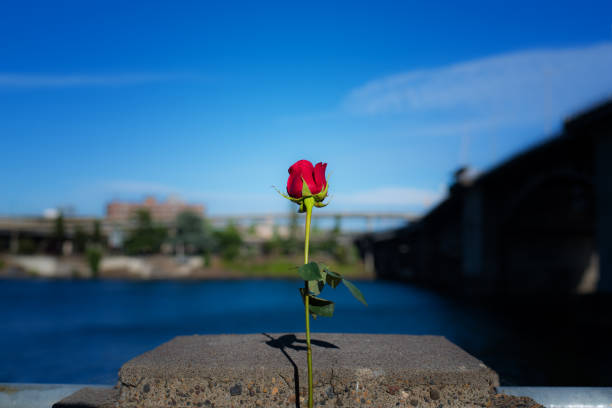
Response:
column 539, row 222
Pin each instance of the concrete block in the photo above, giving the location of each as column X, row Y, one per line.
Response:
column 269, row 370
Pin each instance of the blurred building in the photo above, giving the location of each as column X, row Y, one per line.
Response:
column 165, row 212
column 539, row 222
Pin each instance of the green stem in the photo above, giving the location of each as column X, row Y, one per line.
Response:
column 308, row 203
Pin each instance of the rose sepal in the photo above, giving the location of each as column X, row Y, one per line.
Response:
column 305, row 189
column 320, row 205
column 295, row 200
column 320, row 196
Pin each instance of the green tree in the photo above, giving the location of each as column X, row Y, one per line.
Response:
column 59, row 231
column 337, row 225
column 272, row 245
column 228, row 242
column 333, row 245
column 97, row 237
column 79, row 239
column 26, row 246
column 146, row 237
column 291, row 245
column 252, row 229
column 293, row 224
column 59, row 234
column 94, row 256
column 193, row 233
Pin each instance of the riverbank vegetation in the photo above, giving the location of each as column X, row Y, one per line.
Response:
column 285, row 267
column 189, row 247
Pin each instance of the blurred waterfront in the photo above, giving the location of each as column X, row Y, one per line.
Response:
column 82, row 331
column 471, row 196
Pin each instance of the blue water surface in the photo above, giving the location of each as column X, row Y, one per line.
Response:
column 82, row 331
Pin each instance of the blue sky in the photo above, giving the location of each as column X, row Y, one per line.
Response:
column 214, row 101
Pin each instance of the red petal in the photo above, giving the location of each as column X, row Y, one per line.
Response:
column 302, row 169
column 294, row 185
column 319, row 177
column 301, row 166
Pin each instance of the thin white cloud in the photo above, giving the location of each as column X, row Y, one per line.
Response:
column 11, row 80
column 390, row 196
column 134, row 187
column 234, row 202
column 464, row 126
column 534, row 83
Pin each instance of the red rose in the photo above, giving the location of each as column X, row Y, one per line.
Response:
column 303, row 171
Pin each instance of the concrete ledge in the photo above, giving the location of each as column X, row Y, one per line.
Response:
column 262, row 370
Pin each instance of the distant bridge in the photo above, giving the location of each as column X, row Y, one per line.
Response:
column 319, row 214
column 45, row 226
column 39, row 229
column 266, row 217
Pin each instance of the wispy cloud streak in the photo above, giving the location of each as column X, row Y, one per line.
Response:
column 11, row 80
column 532, row 82
column 391, row 196
column 137, row 187
column 142, row 188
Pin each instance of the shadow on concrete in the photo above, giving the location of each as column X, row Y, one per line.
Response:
column 292, row 342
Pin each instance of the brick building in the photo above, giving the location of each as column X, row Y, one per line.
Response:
column 165, row 212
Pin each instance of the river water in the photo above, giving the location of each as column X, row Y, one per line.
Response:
column 81, row 331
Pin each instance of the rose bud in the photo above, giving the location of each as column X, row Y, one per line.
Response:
column 306, row 180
